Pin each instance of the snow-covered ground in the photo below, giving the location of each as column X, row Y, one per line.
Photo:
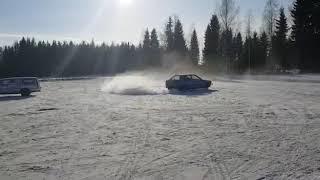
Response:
column 132, row 128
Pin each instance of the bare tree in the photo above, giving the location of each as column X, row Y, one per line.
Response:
column 269, row 16
column 249, row 22
column 248, row 34
column 228, row 12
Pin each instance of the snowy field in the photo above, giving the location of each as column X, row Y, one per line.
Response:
column 133, row 128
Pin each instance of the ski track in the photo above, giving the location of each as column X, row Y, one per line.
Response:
column 247, row 129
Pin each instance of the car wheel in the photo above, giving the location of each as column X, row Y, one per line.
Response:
column 25, row 92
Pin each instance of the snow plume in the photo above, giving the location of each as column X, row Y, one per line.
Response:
column 134, row 84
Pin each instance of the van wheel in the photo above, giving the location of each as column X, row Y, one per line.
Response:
column 25, row 92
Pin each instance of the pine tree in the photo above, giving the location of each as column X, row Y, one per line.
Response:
column 169, row 35
column 237, row 48
column 154, row 41
column 302, row 32
column 238, row 45
column 155, row 48
column 316, row 39
column 207, row 44
column 280, row 41
column 146, row 49
column 245, row 61
column 211, row 40
column 227, row 48
column 179, row 42
column 255, row 52
column 264, row 43
column 194, row 48
column 146, row 40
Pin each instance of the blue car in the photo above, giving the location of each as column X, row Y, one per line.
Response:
column 187, row 82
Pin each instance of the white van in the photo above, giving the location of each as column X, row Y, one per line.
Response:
column 19, row 85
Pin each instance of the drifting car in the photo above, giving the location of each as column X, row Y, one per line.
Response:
column 187, row 82
column 19, row 85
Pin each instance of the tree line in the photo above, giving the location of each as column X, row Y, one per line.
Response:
column 276, row 48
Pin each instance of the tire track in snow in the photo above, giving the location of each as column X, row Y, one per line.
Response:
column 216, row 163
column 130, row 168
column 274, row 133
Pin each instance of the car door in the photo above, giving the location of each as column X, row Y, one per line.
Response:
column 173, row 82
column 184, row 82
column 197, row 82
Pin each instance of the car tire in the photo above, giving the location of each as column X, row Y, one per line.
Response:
column 25, row 92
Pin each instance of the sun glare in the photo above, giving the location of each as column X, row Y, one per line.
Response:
column 125, row 2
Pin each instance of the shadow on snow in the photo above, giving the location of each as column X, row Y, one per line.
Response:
column 14, row 98
column 196, row 92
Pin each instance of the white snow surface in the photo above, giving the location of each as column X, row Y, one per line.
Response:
column 131, row 127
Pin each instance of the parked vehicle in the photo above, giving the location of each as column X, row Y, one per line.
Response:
column 187, row 82
column 19, row 85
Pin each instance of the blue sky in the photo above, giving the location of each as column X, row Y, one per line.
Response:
column 109, row 20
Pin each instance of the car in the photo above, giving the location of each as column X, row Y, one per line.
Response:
column 187, row 82
column 19, row 85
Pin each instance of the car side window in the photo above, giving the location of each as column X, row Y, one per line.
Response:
column 176, row 78
column 184, row 78
column 195, row 77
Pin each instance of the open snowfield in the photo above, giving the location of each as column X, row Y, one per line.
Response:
column 132, row 128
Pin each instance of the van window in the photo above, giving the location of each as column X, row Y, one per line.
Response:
column 29, row 82
column 9, row 81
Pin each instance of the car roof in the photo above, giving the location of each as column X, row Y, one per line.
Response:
column 18, row 78
column 185, row 75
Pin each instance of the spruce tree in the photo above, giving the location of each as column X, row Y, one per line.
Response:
column 255, row 51
column 146, row 40
column 155, row 48
column 264, row 44
column 280, row 41
column 146, row 49
column 237, row 51
column 302, row 32
column 316, row 39
column 238, row 45
column 211, row 40
column 227, row 48
column 154, row 41
column 179, row 43
column 169, row 35
column 194, row 48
